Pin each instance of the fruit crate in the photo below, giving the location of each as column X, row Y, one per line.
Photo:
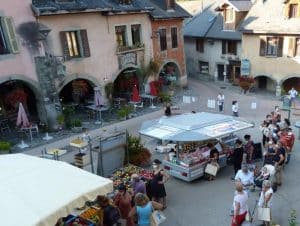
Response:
column 81, row 159
column 90, row 214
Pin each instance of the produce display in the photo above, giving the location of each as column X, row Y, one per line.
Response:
column 123, row 175
column 90, row 214
column 78, row 143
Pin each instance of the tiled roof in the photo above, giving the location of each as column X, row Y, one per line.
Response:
column 209, row 24
column 160, row 11
column 53, row 7
column 268, row 17
column 192, row 7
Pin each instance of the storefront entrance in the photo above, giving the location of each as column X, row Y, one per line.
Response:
column 290, row 83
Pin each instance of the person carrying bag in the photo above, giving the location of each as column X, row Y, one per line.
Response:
column 264, row 203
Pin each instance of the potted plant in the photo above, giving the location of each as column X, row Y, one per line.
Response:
column 164, row 97
column 77, row 126
column 124, row 112
column 5, row 147
column 61, row 121
column 246, row 83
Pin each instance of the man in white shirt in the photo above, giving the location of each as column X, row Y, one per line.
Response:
column 220, row 101
column 293, row 94
column 245, row 176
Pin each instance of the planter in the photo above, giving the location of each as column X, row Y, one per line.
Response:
column 5, row 147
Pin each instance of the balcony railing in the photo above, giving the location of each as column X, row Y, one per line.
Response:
column 122, row 49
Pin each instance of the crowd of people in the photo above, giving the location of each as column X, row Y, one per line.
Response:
column 277, row 141
column 130, row 207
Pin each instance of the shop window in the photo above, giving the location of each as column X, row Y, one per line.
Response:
column 203, row 67
column 293, row 10
column 271, row 46
column 121, row 35
column 200, row 45
column 174, row 37
column 136, row 34
column 229, row 47
column 163, row 39
column 75, row 44
column 8, row 38
column 228, row 15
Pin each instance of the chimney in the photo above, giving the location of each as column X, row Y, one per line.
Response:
column 170, row 4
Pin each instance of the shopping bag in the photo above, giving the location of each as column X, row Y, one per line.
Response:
column 157, row 218
column 211, row 169
column 264, row 214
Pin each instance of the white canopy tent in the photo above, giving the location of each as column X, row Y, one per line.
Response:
column 37, row 192
column 193, row 127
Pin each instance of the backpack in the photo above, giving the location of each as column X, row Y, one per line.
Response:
column 111, row 215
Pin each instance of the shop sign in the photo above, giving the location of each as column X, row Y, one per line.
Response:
column 127, row 59
column 245, row 67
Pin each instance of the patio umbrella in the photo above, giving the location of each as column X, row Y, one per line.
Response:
column 98, row 103
column 135, row 94
column 97, row 97
column 22, row 119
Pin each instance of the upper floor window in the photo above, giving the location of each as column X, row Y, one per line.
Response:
column 271, row 46
column 136, row 34
column 200, row 45
column 163, row 39
column 229, row 47
column 293, row 10
column 174, row 37
column 121, row 35
column 75, row 44
column 293, row 47
column 228, row 15
column 8, row 38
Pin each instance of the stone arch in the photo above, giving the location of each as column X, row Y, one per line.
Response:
column 115, row 76
column 162, row 72
column 265, row 82
column 290, row 81
column 172, row 62
column 282, row 80
column 35, row 104
column 70, row 78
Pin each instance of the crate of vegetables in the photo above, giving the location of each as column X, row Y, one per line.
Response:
column 91, row 214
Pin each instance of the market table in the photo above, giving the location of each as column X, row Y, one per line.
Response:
column 150, row 97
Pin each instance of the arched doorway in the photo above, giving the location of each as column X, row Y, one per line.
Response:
column 77, row 91
column 124, row 83
column 291, row 82
column 263, row 82
column 13, row 92
column 169, row 74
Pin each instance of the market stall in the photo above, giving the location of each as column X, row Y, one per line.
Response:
column 192, row 132
column 37, row 191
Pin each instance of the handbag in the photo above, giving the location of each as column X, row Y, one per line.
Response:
column 264, row 214
column 211, row 169
column 157, row 217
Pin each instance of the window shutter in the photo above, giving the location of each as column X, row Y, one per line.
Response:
column 85, row 43
column 262, row 48
column 224, row 46
column 291, row 49
column 10, row 34
column 280, row 47
column 64, row 45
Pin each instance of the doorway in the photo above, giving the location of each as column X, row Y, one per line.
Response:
column 262, row 83
column 220, row 72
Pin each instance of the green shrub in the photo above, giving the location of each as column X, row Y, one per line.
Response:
column 125, row 111
column 5, row 146
column 76, row 123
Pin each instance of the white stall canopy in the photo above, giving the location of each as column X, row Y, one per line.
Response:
column 193, row 127
column 36, row 191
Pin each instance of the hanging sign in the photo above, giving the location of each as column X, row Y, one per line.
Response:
column 245, row 67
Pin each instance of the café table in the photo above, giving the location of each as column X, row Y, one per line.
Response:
column 30, row 130
column 150, row 97
column 98, row 110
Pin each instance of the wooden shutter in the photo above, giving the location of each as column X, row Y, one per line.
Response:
column 10, row 34
column 224, row 46
column 64, row 45
column 85, row 43
column 292, row 45
column 263, row 46
column 280, row 47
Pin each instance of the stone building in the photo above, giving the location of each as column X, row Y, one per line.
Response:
column 213, row 40
column 271, row 44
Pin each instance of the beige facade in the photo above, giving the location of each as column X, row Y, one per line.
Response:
column 103, row 64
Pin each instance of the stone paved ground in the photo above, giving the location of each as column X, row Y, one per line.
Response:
column 203, row 203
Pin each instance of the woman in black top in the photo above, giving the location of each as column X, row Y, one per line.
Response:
column 238, row 155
